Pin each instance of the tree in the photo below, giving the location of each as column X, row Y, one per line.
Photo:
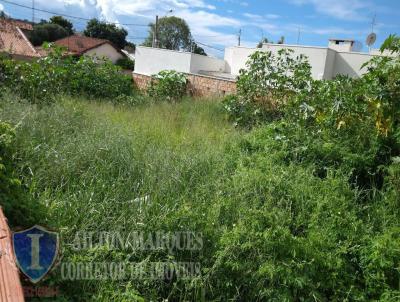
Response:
column 263, row 40
column 173, row 33
column 103, row 30
column 47, row 32
column 281, row 40
column 64, row 23
column 198, row 50
column 130, row 47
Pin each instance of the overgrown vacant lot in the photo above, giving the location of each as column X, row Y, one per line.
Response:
column 271, row 227
column 298, row 202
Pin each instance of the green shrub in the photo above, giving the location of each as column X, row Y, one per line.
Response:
column 265, row 86
column 126, row 63
column 96, row 79
column 18, row 207
column 42, row 81
column 47, row 32
column 168, row 85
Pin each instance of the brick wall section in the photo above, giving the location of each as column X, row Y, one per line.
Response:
column 199, row 85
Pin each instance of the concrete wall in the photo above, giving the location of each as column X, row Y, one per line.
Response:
column 316, row 56
column 151, row 61
column 326, row 63
column 329, row 64
column 200, row 63
column 350, row 63
column 105, row 50
column 236, row 57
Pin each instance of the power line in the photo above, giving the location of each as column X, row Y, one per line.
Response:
column 209, row 46
column 67, row 16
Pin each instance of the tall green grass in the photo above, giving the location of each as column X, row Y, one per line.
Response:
column 273, row 230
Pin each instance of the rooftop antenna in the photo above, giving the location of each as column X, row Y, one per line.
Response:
column 239, row 36
column 371, row 39
column 298, row 36
column 373, row 23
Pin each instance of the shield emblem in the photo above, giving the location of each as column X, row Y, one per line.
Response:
column 35, row 250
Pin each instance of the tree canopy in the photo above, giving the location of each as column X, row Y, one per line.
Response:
column 103, row 30
column 64, row 23
column 47, row 32
column 174, row 34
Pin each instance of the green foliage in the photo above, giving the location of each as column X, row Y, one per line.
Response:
column 66, row 24
column 265, row 86
column 47, row 32
column 392, row 44
column 104, row 30
column 44, row 80
column 198, row 50
column 126, row 63
column 173, row 33
column 19, row 209
column 273, row 229
column 304, row 207
column 168, row 85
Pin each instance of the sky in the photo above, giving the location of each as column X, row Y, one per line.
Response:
column 217, row 23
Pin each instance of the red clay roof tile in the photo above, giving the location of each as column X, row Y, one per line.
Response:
column 13, row 40
column 80, row 44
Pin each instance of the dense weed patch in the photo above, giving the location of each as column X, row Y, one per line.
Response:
column 302, row 207
column 42, row 81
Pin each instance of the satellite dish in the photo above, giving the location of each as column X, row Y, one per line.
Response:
column 371, row 39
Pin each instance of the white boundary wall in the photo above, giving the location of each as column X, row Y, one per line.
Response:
column 326, row 63
column 151, row 61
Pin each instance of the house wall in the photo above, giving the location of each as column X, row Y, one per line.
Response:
column 236, row 57
column 326, row 63
column 203, row 63
column 350, row 63
column 151, row 61
column 329, row 64
column 105, row 50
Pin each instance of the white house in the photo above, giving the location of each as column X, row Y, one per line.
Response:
column 81, row 45
column 326, row 62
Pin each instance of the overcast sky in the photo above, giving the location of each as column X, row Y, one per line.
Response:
column 218, row 22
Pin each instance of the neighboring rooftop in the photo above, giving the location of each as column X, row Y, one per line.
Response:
column 78, row 45
column 13, row 39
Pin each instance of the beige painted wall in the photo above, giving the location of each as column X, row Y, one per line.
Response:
column 105, row 50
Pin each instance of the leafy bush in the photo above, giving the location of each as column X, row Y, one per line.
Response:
column 265, row 86
column 47, row 32
column 126, row 63
column 43, row 80
column 168, row 85
column 18, row 207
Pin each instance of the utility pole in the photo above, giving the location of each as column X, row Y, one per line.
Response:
column 155, row 34
column 239, row 36
column 298, row 36
column 33, row 12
